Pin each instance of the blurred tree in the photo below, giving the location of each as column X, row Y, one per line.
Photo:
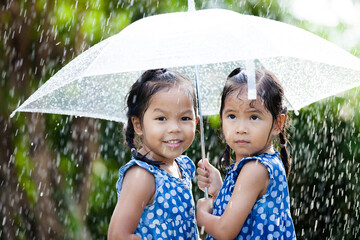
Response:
column 326, row 160
column 58, row 173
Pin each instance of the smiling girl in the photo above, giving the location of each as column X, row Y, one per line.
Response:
column 154, row 189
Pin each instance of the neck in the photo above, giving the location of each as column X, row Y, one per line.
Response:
column 172, row 168
column 269, row 149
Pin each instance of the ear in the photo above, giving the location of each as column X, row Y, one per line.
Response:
column 137, row 125
column 280, row 123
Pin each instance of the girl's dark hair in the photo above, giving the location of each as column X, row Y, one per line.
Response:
column 271, row 92
column 138, row 100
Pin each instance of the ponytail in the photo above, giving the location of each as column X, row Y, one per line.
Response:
column 283, row 141
column 225, row 157
column 283, row 152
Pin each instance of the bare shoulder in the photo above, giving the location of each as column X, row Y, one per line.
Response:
column 255, row 176
column 137, row 171
column 138, row 187
column 139, row 177
column 255, row 169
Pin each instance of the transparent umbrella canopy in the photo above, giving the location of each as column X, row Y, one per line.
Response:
column 95, row 83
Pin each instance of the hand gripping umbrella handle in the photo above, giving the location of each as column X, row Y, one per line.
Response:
column 202, row 142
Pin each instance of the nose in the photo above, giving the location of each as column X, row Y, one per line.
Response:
column 241, row 127
column 174, row 126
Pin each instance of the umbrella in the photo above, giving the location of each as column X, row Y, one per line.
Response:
column 209, row 42
column 94, row 83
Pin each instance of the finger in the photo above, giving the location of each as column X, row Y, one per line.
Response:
column 207, row 164
column 202, row 172
column 202, row 186
column 203, row 179
column 201, row 164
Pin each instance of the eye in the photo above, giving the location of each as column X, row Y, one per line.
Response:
column 161, row 118
column 186, row 119
column 231, row 116
column 254, row 117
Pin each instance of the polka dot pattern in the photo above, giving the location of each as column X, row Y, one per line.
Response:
column 171, row 215
column 270, row 217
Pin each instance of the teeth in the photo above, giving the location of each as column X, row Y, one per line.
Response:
column 173, row 141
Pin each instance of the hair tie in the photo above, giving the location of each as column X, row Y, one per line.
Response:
column 133, row 150
column 228, row 168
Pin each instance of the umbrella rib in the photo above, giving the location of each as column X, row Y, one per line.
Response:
column 33, row 98
column 98, row 56
column 74, row 113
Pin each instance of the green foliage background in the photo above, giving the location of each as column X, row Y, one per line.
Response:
column 58, row 173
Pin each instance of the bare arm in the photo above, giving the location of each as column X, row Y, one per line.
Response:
column 251, row 184
column 138, row 190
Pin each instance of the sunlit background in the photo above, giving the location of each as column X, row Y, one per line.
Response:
column 58, row 173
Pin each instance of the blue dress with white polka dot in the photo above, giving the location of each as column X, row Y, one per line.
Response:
column 270, row 216
column 172, row 213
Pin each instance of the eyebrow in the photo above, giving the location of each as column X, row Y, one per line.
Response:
column 255, row 110
column 229, row 110
column 157, row 110
column 250, row 110
column 187, row 111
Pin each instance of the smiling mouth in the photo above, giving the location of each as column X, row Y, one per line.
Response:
column 173, row 143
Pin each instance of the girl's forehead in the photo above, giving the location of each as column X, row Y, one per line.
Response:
column 176, row 89
column 241, row 100
column 180, row 93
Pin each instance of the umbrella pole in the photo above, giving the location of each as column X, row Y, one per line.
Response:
column 202, row 142
column 191, row 8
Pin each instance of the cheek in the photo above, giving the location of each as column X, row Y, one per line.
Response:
column 226, row 133
column 151, row 131
column 192, row 129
